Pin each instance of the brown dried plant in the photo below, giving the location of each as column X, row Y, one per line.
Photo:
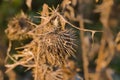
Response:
column 18, row 27
column 47, row 55
column 50, row 48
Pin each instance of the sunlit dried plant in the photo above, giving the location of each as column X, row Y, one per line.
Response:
column 18, row 27
column 50, row 48
column 53, row 41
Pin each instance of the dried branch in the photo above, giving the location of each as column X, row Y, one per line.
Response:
column 8, row 53
column 84, row 52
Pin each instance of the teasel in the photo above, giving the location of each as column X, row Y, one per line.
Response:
column 59, row 45
column 50, row 51
column 18, row 26
column 50, row 47
column 54, row 47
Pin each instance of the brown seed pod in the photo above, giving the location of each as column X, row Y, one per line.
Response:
column 59, row 44
column 18, row 27
column 54, row 47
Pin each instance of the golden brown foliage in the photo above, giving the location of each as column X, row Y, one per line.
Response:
column 18, row 27
column 53, row 43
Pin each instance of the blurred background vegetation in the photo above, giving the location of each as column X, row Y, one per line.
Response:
column 9, row 8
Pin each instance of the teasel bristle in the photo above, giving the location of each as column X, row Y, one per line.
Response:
column 59, row 45
column 54, row 47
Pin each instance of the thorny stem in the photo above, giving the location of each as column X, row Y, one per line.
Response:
column 84, row 52
column 81, row 29
column 37, row 63
column 100, row 59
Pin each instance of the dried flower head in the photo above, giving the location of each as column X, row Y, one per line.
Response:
column 58, row 45
column 53, row 47
column 50, row 48
column 18, row 27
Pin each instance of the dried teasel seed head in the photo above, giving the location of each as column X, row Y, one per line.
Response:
column 18, row 27
column 56, row 46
